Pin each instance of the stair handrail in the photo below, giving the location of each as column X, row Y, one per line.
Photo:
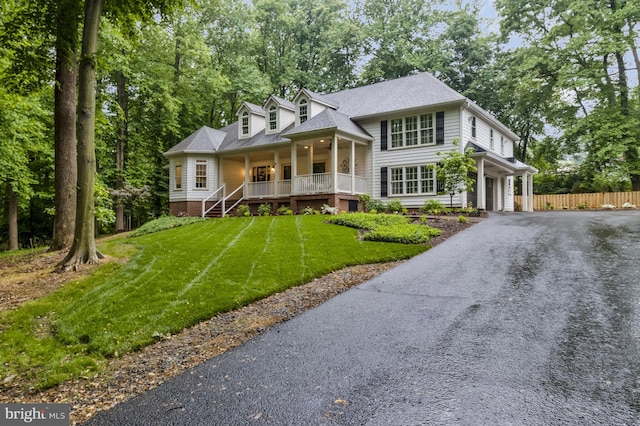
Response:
column 204, row 201
column 224, row 212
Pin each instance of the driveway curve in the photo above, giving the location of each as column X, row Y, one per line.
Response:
column 524, row 319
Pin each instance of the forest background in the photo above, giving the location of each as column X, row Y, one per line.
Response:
column 563, row 75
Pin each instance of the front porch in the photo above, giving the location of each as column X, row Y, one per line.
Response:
column 325, row 169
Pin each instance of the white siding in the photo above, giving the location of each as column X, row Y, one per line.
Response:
column 285, row 118
column 410, row 156
column 189, row 191
column 483, row 135
column 256, row 124
column 177, row 194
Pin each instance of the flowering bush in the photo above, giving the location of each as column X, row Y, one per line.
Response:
column 327, row 209
column 628, row 205
column 309, row 210
column 607, row 207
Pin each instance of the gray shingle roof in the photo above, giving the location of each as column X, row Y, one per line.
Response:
column 205, row 139
column 282, row 102
column 331, row 120
column 401, row 94
column 231, row 141
column 255, row 109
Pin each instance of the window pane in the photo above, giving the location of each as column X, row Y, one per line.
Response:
column 427, row 180
column 411, row 124
column 426, row 129
column 411, row 174
column 245, row 125
column 396, row 181
column 178, row 175
column 272, row 120
column 396, row 133
column 201, row 174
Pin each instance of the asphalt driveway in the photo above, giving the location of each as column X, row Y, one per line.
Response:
column 524, row 319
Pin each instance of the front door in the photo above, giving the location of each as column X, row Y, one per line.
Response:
column 489, row 191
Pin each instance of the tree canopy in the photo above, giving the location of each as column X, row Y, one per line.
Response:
column 562, row 74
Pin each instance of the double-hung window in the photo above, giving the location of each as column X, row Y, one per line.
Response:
column 396, row 133
column 426, row 129
column 201, row 174
column 303, row 110
column 412, row 131
column 473, row 126
column 491, row 139
column 178, row 177
column 413, row 180
column 273, row 118
column 245, row 123
column 502, row 145
column 427, row 180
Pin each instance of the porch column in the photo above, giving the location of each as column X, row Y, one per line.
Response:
column 482, row 183
column 500, row 194
column 530, row 195
column 310, row 154
column 247, row 170
column 525, row 192
column 352, row 167
column 276, row 172
column 334, row 164
column 294, row 166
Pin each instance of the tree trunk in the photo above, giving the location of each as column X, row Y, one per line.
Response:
column 66, row 173
column 121, row 143
column 13, row 217
column 84, row 245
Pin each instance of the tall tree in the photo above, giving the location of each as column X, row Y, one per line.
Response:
column 66, row 174
column 84, row 248
column 582, row 49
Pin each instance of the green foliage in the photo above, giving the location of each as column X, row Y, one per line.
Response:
column 433, row 206
column 170, row 283
column 105, row 216
column 264, row 209
column 309, row 211
column 454, row 169
column 165, row 222
column 396, row 207
column 243, row 210
column 371, row 204
column 387, row 227
column 462, row 219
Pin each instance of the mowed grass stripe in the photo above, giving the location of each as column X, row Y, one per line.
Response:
column 174, row 279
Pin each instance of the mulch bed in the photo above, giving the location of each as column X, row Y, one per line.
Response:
column 136, row 373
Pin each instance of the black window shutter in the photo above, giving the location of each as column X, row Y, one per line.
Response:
column 384, row 181
column 383, row 135
column 440, row 128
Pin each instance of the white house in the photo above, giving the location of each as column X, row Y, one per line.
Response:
column 381, row 140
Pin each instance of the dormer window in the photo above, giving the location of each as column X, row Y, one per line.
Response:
column 303, row 111
column 245, row 123
column 273, row 118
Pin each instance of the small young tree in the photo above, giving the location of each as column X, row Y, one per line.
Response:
column 453, row 171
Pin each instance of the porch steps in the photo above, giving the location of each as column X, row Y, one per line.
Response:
column 215, row 212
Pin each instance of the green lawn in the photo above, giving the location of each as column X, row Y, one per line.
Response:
column 172, row 280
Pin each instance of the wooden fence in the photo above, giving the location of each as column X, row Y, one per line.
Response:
column 577, row 201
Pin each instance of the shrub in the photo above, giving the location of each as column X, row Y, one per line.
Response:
column 284, row 211
column 608, row 207
column 396, row 207
column 264, row 209
column 387, row 227
column 581, row 206
column 433, row 206
column 548, row 206
column 309, row 210
column 371, row 204
column 628, row 205
column 373, row 211
column 327, row 209
column 243, row 210
column 462, row 219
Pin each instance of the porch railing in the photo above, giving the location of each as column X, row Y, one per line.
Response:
column 359, row 184
column 317, row 183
